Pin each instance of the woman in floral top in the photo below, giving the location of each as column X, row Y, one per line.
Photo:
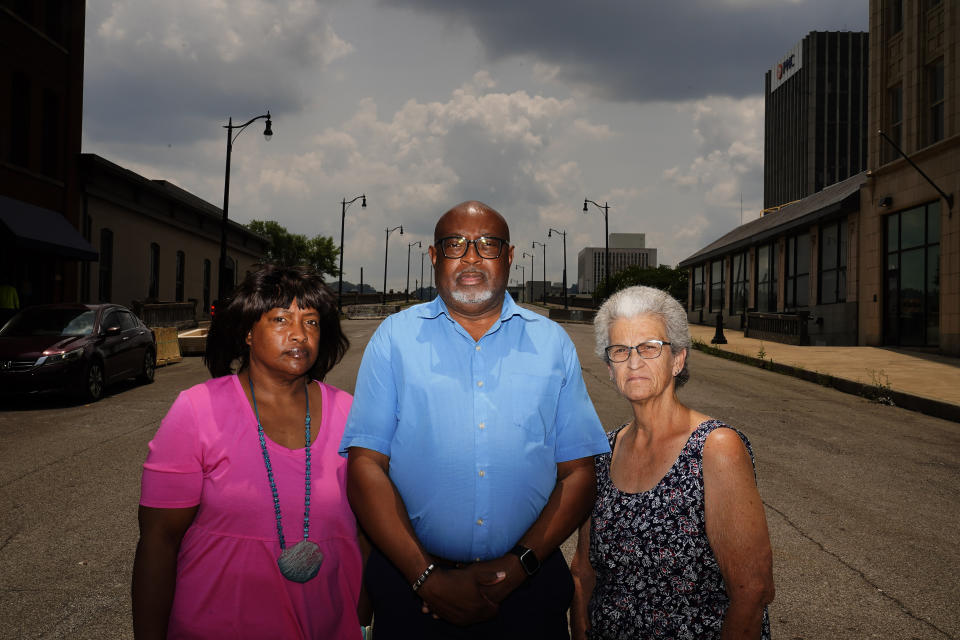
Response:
column 677, row 543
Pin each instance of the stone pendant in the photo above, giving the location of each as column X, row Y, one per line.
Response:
column 301, row 562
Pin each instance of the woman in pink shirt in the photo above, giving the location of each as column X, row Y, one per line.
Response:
column 245, row 529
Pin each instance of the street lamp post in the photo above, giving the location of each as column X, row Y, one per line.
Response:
column 564, row 234
column 523, row 278
column 606, row 234
column 230, row 127
column 407, row 290
column 386, row 247
column 532, row 276
column 535, row 243
column 343, row 216
column 422, row 282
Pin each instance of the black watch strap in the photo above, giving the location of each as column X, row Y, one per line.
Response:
column 528, row 559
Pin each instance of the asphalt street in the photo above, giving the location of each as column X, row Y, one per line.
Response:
column 861, row 499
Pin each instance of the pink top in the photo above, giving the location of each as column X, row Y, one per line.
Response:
column 206, row 452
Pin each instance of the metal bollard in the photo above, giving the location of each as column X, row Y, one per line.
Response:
column 718, row 337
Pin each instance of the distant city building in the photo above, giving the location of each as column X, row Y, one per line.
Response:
column 815, row 130
column 626, row 250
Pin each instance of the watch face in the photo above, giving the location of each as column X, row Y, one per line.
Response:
column 529, row 561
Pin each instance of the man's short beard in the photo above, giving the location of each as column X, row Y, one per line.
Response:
column 474, row 297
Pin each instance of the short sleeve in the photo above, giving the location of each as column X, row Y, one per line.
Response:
column 579, row 432
column 173, row 471
column 373, row 416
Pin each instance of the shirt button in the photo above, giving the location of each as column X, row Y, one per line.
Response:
column 477, row 347
column 480, row 521
column 479, row 383
column 483, row 425
column 482, row 473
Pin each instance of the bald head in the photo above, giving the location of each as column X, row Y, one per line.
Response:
column 472, row 212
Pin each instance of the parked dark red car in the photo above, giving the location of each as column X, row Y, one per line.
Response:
column 77, row 348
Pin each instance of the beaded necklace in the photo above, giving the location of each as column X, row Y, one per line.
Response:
column 302, row 561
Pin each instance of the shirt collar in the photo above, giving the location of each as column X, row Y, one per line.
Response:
column 508, row 309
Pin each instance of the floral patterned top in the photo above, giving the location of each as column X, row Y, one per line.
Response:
column 657, row 576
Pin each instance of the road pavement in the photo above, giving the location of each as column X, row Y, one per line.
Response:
column 861, row 499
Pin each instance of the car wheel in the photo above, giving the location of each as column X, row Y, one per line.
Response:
column 92, row 388
column 149, row 367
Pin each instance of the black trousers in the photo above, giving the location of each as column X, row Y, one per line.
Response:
column 536, row 609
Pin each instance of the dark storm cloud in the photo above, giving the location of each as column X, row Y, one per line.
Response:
column 649, row 50
column 161, row 72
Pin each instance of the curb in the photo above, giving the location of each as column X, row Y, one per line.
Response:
column 872, row 392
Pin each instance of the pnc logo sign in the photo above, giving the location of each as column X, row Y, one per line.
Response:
column 785, row 66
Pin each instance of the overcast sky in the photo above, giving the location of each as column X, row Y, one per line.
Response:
column 527, row 105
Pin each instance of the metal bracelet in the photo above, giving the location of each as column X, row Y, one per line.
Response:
column 423, row 577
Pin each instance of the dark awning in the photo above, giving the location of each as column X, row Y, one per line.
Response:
column 44, row 230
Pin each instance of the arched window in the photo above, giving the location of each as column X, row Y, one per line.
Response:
column 153, row 288
column 105, row 278
column 181, row 261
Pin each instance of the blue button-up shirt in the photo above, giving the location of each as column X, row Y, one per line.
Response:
column 473, row 429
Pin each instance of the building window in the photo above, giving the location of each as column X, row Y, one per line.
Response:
column 57, row 17
column 206, row 286
column 716, row 286
column 832, row 284
column 105, row 279
column 738, row 289
column 50, row 136
column 181, row 260
column 935, row 93
column 912, row 277
column 698, row 287
column 895, row 96
column 20, row 120
column 798, row 272
column 766, row 298
column 894, row 17
column 153, row 290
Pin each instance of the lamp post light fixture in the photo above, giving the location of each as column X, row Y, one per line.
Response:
column 543, row 298
column 606, row 234
column 230, row 127
column 407, row 290
column 523, row 278
column 386, row 247
column 564, row 234
column 343, row 216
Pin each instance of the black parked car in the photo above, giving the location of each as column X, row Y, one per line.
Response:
column 77, row 348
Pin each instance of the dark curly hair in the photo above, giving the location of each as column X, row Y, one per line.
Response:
column 269, row 287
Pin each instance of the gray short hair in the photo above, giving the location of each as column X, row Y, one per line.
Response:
column 639, row 300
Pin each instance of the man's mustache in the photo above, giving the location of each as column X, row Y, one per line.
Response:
column 471, row 271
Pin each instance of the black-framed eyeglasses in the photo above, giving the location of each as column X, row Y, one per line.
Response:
column 647, row 350
column 487, row 247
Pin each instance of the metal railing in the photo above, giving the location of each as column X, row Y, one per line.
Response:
column 787, row 328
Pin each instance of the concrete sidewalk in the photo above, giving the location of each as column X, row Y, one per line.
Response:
column 926, row 382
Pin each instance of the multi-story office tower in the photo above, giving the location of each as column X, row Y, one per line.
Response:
column 815, row 130
column 626, row 250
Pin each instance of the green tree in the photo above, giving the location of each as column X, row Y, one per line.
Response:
column 291, row 249
column 670, row 279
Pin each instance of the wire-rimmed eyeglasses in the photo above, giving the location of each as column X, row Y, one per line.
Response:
column 488, row 247
column 647, row 350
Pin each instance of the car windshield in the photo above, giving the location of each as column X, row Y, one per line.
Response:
column 50, row 322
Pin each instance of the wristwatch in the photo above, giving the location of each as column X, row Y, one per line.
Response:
column 528, row 559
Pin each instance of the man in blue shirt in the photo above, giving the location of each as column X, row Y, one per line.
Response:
column 471, row 444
